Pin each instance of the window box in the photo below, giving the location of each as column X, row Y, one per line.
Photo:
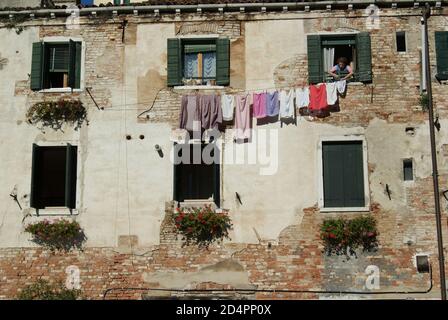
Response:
column 203, row 62
column 325, row 49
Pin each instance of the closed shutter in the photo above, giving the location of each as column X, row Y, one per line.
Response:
column 353, row 175
column 37, row 66
column 127, row 1
column 315, row 72
column 174, row 63
column 117, row 2
column 223, row 62
column 70, row 176
column 364, row 53
column 441, row 38
column 333, row 175
column 35, row 177
column 343, row 174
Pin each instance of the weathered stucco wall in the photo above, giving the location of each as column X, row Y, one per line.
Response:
column 123, row 185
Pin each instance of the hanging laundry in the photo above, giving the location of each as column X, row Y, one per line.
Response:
column 272, row 104
column 211, row 113
column 242, row 117
column 318, row 97
column 341, row 86
column 286, row 104
column 228, row 105
column 216, row 113
column 332, row 94
column 190, row 115
column 302, row 97
column 259, row 105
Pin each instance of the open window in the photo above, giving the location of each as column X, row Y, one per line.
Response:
column 53, row 176
column 198, row 61
column 325, row 50
column 196, row 178
column 56, row 65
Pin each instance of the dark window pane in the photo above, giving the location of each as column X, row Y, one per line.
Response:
column 401, row 41
column 51, row 188
column 408, row 170
column 196, row 181
column 343, row 174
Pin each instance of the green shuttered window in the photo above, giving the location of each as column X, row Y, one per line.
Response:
column 199, row 59
column 56, row 65
column 356, row 48
column 343, row 174
column 441, row 38
column 53, row 177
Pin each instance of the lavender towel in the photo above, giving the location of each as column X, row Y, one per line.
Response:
column 272, row 104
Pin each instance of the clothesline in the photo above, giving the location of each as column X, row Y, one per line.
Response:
column 209, row 110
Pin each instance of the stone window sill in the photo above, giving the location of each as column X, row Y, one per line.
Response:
column 346, row 209
column 56, row 211
column 59, row 90
column 198, row 87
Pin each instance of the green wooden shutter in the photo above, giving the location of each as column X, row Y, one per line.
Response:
column 353, row 174
column 37, row 66
column 223, row 62
column 315, row 72
column 127, row 1
column 174, row 63
column 441, row 38
column 333, row 175
column 35, row 178
column 70, row 176
column 117, row 2
column 78, row 65
column 343, row 174
column 364, row 53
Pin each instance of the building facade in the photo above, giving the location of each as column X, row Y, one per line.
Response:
column 129, row 68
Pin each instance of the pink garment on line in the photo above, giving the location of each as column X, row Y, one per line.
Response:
column 242, row 117
column 318, row 97
column 259, row 105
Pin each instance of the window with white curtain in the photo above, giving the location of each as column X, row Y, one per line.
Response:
column 200, row 62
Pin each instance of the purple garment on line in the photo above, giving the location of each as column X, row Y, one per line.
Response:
column 189, row 112
column 242, row 117
column 259, row 105
column 211, row 112
column 272, row 104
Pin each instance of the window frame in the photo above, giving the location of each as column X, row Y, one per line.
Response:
column 329, row 34
column 320, row 175
column 199, row 37
column 405, row 35
column 65, row 40
column 193, row 41
column 216, row 200
column 60, row 211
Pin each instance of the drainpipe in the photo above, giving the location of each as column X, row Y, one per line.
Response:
column 426, row 15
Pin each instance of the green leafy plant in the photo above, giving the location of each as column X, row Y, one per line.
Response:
column 202, row 226
column 43, row 290
column 342, row 236
column 55, row 113
column 58, row 234
column 424, row 101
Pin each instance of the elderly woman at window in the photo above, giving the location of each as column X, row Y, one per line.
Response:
column 342, row 69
